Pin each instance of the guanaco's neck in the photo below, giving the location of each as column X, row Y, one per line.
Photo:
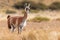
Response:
column 25, row 15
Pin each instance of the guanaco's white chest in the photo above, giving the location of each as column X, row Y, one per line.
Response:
column 23, row 23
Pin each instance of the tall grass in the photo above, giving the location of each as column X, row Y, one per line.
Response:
column 35, row 35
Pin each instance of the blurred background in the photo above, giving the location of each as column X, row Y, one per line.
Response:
column 42, row 8
column 9, row 5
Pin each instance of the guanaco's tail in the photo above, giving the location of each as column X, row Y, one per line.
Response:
column 8, row 16
column 8, row 21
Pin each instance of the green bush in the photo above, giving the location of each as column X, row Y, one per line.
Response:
column 10, row 11
column 34, row 11
column 39, row 19
column 55, row 6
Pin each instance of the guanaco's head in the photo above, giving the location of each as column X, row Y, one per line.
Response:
column 27, row 8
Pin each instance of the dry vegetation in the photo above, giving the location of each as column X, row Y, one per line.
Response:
column 30, row 33
column 45, row 30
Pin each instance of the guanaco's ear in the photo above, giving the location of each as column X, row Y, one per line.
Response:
column 8, row 16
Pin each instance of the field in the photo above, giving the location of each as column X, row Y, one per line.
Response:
column 44, row 30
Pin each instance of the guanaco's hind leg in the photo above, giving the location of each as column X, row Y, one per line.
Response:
column 12, row 27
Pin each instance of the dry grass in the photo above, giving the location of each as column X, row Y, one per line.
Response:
column 34, row 31
column 35, row 35
column 32, row 35
column 42, row 35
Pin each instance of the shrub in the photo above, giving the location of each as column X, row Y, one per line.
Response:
column 39, row 19
column 34, row 5
column 19, row 5
column 39, row 6
column 58, row 19
column 10, row 11
column 55, row 6
column 34, row 11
